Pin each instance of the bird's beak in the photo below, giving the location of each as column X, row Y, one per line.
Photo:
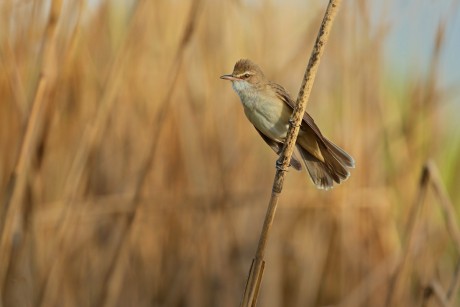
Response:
column 229, row 77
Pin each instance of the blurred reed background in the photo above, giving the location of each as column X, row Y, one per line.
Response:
column 141, row 183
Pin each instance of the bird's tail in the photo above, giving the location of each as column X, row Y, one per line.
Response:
column 333, row 169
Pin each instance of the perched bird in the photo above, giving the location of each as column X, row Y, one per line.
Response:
column 268, row 107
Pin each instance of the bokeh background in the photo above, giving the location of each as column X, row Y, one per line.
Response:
column 141, row 183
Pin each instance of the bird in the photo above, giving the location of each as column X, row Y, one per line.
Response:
column 268, row 106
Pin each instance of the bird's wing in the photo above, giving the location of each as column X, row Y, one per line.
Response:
column 278, row 147
column 336, row 151
column 310, row 137
column 284, row 95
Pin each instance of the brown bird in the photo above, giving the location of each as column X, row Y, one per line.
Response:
column 268, row 107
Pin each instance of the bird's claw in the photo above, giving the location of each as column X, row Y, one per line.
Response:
column 279, row 166
column 293, row 123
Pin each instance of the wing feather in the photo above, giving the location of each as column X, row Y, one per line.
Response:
column 278, row 147
column 336, row 160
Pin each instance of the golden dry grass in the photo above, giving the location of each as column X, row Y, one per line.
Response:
column 147, row 186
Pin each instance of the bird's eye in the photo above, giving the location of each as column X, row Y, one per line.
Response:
column 246, row 75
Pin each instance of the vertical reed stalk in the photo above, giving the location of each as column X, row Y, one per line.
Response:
column 256, row 271
column 92, row 135
column 114, row 281
column 11, row 227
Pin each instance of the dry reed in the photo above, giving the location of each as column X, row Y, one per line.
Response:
column 251, row 291
column 142, row 184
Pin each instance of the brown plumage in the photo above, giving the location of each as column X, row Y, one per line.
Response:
column 268, row 106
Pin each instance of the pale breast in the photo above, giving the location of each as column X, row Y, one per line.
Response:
column 269, row 115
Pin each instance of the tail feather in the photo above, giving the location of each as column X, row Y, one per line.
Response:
column 340, row 154
column 334, row 167
column 295, row 163
column 318, row 170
